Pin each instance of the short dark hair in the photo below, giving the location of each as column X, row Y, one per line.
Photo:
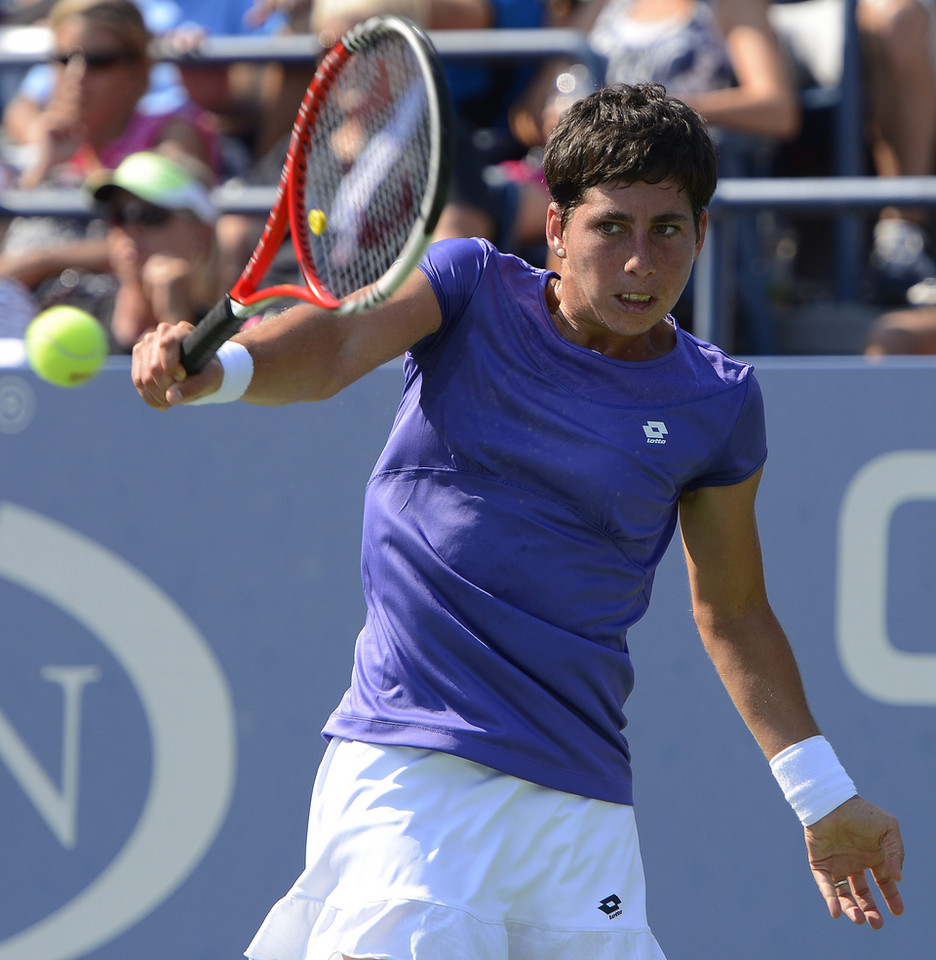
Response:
column 624, row 133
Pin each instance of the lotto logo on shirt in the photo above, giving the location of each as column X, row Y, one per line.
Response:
column 656, row 431
column 611, row 906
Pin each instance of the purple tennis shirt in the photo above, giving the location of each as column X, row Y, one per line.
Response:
column 514, row 521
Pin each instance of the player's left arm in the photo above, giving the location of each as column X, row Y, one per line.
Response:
column 753, row 657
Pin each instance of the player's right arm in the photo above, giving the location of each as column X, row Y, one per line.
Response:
column 303, row 354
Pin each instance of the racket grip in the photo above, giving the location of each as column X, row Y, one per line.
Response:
column 218, row 325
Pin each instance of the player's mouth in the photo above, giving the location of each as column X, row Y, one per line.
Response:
column 634, row 299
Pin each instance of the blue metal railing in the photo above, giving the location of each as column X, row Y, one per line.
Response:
column 850, row 199
column 24, row 46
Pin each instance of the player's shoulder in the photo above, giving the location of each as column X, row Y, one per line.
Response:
column 460, row 248
column 463, row 250
column 467, row 259
column 712, row 361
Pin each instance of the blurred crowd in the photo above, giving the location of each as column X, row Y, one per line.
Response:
column 148, row 139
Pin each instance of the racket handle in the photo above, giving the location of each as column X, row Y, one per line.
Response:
column 218, row 325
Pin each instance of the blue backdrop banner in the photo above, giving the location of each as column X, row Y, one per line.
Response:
column 179, row 597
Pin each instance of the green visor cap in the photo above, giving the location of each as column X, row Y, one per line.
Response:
column 157, row 180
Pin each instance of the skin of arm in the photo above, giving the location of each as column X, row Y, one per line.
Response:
column 303, row 354
column 33, row 266
column 19, row 115
column 741, row 634
column 765, row 101
column 460, row 14
column 752, row 655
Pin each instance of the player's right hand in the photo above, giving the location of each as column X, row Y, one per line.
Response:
column 158, row 374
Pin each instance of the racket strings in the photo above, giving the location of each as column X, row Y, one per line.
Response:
column 368, row 165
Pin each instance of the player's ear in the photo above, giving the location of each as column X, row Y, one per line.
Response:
column 554, row 227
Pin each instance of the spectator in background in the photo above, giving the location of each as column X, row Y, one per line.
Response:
column 236, row 96
column 161, row 257
column 251, row 102
column 910, row 331
column 161, row 244
column 898, row 48
column 91, row 123
column 92, row 116
column 28, row 97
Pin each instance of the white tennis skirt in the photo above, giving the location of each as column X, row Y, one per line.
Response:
column 417, row 855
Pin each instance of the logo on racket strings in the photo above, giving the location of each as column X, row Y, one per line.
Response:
column 376, row 225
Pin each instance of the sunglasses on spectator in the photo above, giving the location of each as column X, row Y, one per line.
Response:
column 101, row 60
column 138, row 213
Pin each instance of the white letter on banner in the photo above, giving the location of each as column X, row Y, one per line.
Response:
column 869, row 659
column 58, row 807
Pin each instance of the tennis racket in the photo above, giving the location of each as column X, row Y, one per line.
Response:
column 364, row 182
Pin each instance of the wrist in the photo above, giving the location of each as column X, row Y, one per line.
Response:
column 236, row 374
column 813, row 780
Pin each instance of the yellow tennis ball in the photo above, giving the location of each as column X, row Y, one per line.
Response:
column 66, row 346
column 318, row 222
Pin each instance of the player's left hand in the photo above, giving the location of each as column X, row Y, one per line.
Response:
column 854, row 838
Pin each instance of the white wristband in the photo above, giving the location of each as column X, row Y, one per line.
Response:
column 812, row 779
column 237, row 364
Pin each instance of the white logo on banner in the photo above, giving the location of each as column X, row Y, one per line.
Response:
column 188, row 709
column 872, row 662
column 17, row 404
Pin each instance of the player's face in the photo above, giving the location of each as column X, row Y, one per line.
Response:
column 629, row 250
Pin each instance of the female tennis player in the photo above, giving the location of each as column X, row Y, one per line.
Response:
column 475, row 797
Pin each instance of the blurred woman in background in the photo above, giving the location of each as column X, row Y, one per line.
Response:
column 161, row 244
column 101, row 59
column 89, row 124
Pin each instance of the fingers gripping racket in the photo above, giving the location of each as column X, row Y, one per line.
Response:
column 364, row 182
